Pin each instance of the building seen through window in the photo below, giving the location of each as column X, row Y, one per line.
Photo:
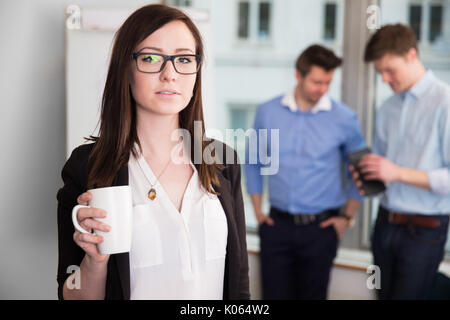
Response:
column 254, row 20
column 430, row 20
column 330, row 21
column 426, row 18
column 182, row 3
column 415, row 19
column 243, row 29
column 256, row 43
column 435, row 22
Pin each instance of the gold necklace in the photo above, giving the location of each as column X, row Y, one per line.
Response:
column 152, row 193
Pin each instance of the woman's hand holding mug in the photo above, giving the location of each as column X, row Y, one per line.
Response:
column 88, row 241
column 103, row 220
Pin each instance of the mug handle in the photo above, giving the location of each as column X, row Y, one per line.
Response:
column 75, row 220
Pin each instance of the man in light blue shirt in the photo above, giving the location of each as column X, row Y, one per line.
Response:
column 316, row 133
column 412, row 156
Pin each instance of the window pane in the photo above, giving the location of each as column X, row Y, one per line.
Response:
column 182, row 3
column 435, row 58
column 249, row 74
column 242, row 117
column 264, row 20
column 330, row 21
column 415, row 18
column 243, row 19
column 239, row 118
column 435, row 22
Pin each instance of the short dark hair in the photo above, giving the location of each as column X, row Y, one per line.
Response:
column 395, row 39
column 317, row 55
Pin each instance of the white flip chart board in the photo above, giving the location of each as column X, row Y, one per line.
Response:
column 89, row 40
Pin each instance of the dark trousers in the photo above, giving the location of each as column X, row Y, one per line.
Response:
column 408, row 257
column 296, row 260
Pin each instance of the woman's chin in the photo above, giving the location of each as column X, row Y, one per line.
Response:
column 165, row 109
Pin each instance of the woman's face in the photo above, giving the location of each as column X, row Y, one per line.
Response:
column 167, row 92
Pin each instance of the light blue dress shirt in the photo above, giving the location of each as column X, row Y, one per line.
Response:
column 413, row 130
column 312, row 147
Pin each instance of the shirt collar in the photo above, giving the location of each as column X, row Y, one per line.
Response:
column 421, row 86
column 288, row 100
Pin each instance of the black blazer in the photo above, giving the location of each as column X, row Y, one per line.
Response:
column 74, row 175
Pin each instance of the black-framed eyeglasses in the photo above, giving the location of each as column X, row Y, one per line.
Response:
column 148, row 62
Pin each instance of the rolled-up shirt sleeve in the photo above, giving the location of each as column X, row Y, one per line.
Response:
column 440, row 178
column 440, row 181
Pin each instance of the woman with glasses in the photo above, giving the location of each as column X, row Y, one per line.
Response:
column 153, row 89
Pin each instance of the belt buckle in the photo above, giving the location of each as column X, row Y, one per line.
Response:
column 297, row 219
column 390, row 217
column 301, row 219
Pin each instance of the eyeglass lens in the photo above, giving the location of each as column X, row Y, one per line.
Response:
column 153, row 63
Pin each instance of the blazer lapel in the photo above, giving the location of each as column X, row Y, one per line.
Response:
column 123, row 259
column 231, row 263
column 225, row 197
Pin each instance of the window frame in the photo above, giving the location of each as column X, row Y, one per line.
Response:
column 429, row 35
column 247, row 27
column 417, row 5
column 182, row 3
column 325, row 16
column 251, row 107
column 369, row 209
column 254, row 23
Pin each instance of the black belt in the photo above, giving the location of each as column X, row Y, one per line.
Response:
column 302, row 219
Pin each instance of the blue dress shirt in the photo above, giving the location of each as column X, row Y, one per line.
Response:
column 312, row 147
column 413, row 130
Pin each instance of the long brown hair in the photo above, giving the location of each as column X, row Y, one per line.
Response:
column 118, row 134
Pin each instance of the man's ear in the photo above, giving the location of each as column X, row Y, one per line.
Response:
column 298, row 75
column 411, row 55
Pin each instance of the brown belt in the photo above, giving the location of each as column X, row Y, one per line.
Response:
column 419, row 220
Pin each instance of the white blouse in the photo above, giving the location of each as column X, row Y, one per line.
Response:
column 175, row 255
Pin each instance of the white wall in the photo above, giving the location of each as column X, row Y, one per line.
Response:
column 32, row 125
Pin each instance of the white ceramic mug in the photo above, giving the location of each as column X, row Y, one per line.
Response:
column 117, row 203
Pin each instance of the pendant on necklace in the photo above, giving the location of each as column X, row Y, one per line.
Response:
column 152, row 194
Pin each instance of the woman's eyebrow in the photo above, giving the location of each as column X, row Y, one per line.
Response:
column 151, row 48
column 160, row 50
column 183, row 49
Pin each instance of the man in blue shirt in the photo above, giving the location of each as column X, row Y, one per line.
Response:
column 299, row 238
column 412, row 156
